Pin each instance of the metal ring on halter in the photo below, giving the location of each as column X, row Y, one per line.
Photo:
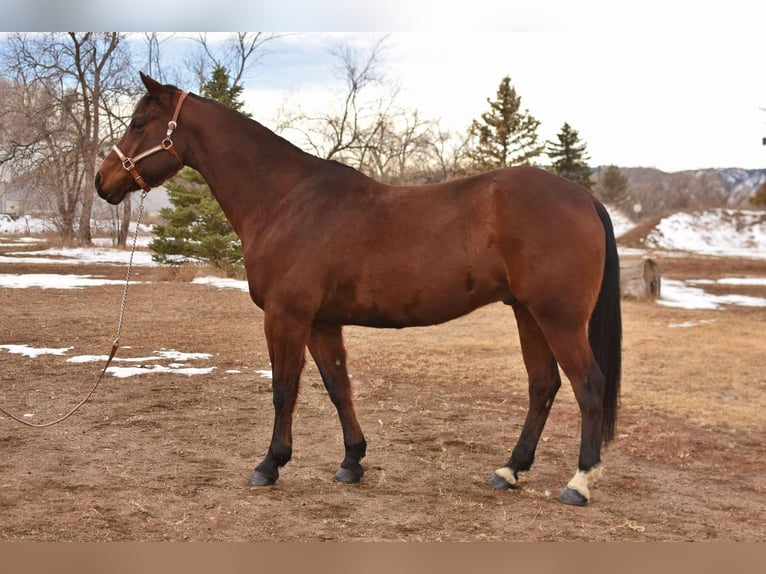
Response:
column 129, row 164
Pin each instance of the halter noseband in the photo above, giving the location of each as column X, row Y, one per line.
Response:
column 129, row 164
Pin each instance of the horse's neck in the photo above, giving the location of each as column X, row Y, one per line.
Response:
column 238, row 159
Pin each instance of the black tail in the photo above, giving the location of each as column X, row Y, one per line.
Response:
column 605, row 327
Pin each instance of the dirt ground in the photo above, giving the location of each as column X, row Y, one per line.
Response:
column 165, row 456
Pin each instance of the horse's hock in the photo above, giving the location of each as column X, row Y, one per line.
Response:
column 640, row 278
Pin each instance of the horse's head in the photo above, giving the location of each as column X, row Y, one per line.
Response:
column 145, row 157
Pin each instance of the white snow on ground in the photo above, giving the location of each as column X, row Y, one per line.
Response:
column 222, row 283
column 178, row 365
column 730, row 281
column 33, row 352
column 620, row 221
column 687, row 324
column 55, row 281
column 178, row 361
column 79, row 255
column 26, row 226
column 170, row 354
column 124, row 372
column 681, row 294
column 720, row 232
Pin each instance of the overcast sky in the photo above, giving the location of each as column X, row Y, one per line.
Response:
column 667, row 84
column 669, row 102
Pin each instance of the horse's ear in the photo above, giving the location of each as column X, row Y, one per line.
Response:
column 152, row 86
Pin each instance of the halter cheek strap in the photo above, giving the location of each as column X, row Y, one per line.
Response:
column 129, row 163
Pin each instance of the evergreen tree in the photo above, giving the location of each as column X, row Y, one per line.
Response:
column 569, row 157
column 758, row 199
column 506, row 135
column 218, row 88
column 196, row 228
column 612, row 186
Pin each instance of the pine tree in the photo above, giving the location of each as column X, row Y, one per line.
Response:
column 196, row 228
column 218, row 89
column 569, row 157
column 612, row 186
column 758, row 199
column 506, row 135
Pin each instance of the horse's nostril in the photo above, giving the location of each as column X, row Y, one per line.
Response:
column 98, row 181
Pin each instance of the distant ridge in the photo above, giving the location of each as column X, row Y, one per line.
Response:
column 658, row 192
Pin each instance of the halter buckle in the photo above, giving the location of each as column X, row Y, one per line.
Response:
column 128, row 164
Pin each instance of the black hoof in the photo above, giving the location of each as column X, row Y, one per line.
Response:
column 260, row 479
column 570, row 496
column 498, row 482
column 349, row 475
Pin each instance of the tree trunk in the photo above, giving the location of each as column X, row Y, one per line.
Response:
column 124, row 228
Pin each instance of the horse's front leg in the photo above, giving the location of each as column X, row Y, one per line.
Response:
column 287, row 337
column 326, row 346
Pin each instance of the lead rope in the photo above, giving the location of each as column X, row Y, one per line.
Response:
column 115, row 344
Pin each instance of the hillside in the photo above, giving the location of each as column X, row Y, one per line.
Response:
column 718, row 232
column 653, row 192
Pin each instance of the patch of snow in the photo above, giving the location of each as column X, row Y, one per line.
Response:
column 19, row 241
column 621, row 223
column 55, row 281
column 757, row 281
column 138, row 368
column 265, row 374
column 27, row 225
column 222, row 283
column 720, row 232
column 681, row 294
column 142, row 241
column 34, row 352
column 103, row 358
column 179, row 356
column 124, row 372
column 80, row 255
column 687, row 324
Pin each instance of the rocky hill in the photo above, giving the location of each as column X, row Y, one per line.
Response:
column 652, row 192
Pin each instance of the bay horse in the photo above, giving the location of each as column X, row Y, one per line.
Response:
column 326, row 246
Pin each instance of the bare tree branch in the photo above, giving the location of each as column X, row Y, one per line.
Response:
column 63, row 85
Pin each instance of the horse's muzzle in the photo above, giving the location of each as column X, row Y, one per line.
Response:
column 110, row 198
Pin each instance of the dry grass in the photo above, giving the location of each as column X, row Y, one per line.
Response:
column 159, row 457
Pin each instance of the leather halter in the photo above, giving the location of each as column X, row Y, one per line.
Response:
column 129, row 164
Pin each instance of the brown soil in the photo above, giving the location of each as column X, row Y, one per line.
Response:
column 166, row 456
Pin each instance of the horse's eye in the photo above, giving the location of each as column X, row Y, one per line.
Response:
column 136, row 125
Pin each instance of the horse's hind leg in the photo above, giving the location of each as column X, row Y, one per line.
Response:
column 574, row 354
column 544, row 382
column 326, row 346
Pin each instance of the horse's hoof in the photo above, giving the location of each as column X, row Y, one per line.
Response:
column 498, row 482
column 260, row 479
column 349, row 476
column 571, row 496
